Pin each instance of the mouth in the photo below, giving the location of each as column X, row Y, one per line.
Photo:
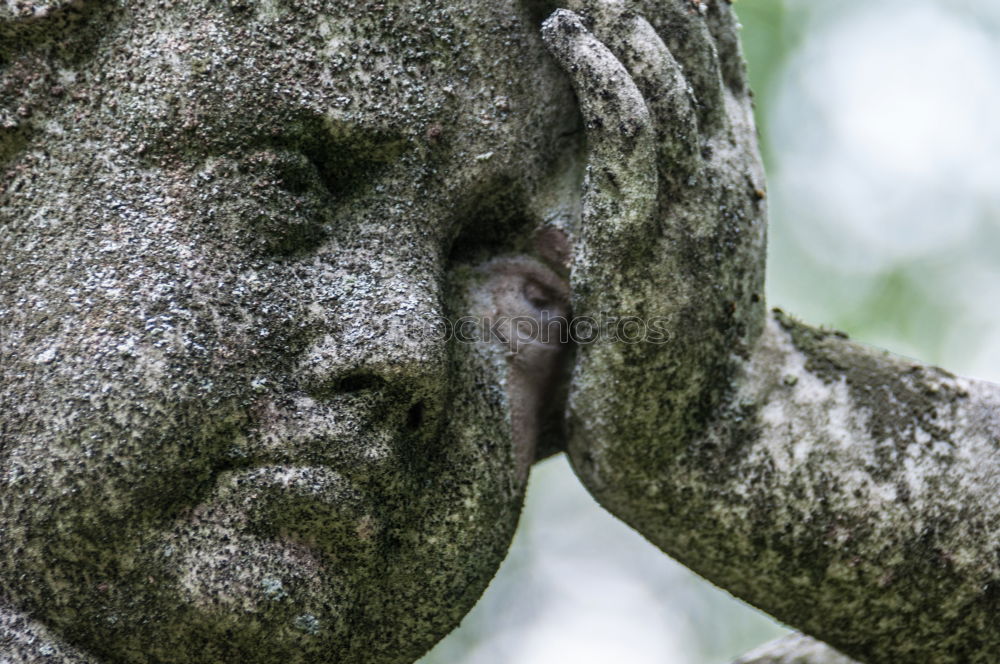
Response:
column 308, row 506
column 340, row 478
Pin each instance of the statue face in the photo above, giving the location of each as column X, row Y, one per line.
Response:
column 232, row 430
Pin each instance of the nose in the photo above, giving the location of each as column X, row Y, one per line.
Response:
column 376, row 338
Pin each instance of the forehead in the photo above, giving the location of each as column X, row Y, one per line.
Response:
column 433, row 111
column 460, row 96
column 422, row 69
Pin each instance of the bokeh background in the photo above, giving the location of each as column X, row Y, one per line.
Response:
column 880, row 126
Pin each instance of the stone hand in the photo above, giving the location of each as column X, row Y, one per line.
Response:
column 807, row 474
column 668, row 257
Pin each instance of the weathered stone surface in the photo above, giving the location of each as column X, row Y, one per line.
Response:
column 794, row 649
column 844, row 491
column 847, row 492
column 229, row 432
column 233, row 432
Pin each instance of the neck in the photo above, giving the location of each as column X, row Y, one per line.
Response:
column 26, row 641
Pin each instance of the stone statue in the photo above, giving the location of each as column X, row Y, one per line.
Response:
column 239, row 421
column 232, row 430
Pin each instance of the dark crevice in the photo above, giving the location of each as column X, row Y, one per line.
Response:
column 68, row 28
column 493, row 225
column 415, row 416
column 539, row 10
column 355, row 382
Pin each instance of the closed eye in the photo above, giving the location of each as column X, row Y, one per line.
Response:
column 350, row 159
column 537, row 295
column 284, row 199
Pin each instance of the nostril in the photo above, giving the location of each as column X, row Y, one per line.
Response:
column 415, row 416
column 356, row 382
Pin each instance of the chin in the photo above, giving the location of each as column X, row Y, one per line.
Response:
column 289, row 563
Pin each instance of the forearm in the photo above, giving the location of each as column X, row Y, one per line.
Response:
column 794, row 649
column 25, row 641
column 845, row 491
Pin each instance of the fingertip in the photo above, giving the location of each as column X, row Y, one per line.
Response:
column 725, row 27
column 689, row 39
column 561, row 32
column 562, row 21
column 602, row 82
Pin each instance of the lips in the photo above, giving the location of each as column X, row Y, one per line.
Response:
column 329, row 474
column 310, row 506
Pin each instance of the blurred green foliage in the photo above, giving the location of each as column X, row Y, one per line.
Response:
column 771, row 31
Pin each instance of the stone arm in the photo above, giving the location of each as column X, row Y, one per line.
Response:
column 26, row 641
column 794, row 649
column 847, row 492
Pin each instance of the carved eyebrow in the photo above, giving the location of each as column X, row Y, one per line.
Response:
column 347, row 154
column 37, row 39
column 23, row 25
column 344, row 155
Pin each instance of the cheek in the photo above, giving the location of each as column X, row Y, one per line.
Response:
column 132, row 423
column 473, row 500
column 127, row 409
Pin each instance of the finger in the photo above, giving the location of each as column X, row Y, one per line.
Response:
column 724, row 26
column 682, row 27
column 668, row 96
column 621, row 187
